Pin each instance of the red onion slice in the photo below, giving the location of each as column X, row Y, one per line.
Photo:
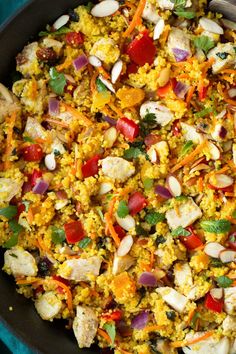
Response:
column 147, row 279
column 163, row 192
column 40, row 187
column 181, row 89
column 109, row 120
column 53, row 106
column 80, row 62
column 180, row 54
column 140, row 321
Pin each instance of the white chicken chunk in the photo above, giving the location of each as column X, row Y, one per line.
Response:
column 173, row 298
column 34, row 129
column 27, row 61
column 85, row 326
column 9, row 188
column 230, row 300
column 178, row 39
column 80, row 269
column 121, row 264
column 190, row 133
column 210, row 345
column 20, row 263
column 169, row 5
column 189, row 212
column 229, row 325
column 106, row 50
column 224, row 55
column 48, row 306
column 183, row 277
column 8, row 103
column 117, row 168
column 163, row 115
column 150, row 13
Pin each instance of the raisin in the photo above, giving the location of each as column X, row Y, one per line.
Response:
column 46, row 54
column 73, row 15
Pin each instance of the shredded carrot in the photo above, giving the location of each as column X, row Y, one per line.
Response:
column 111, row 229
column 130, row 5
column 30, row 216
column 42, row 245
column 190, row 317
column 164, row 35
column 11, row 122
column 27, row 281
column 34, row 89
column 207, row 65
column 183, row 343
column 76, row 114
column 93, row 82
column 104, row 334
column 200, row 184
column 228, row 78
column 190, row 95
column 152, row 328
column 67, row 291
column 116, row 110
column 57, row 122
column 189, row 158
column 228, row 71
column 136, row 18
column 67, row 63
column 103, row 72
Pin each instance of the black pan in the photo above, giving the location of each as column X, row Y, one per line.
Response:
column 23, row 321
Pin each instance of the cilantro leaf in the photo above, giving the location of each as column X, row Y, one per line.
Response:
column 147, row 124
column 132, row 153
column 154, row 217
column 186, row 148
column 222, row 55
column 100, row 86
column 180, row 231
column 179, row 3
column 148, row 183
column 85, row 242
column 141, row 231
column 9, row 212
column 204, row 43
column 193, row 322
column 204, row 112
column 216, row 226
column 60, row 31
column 185, row 14
column 110, row 328
column 57, row 235
column 11, row 242
column 57, row 81
column 180, row 198
column 223, row 281
column 15, row 227
column 28, row 139
column 123, row 209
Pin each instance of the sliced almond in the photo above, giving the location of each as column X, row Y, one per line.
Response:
column 127, row 223
column 152, row 154
column 105, row 187
column 60, row 22
column 125, row 246
column 217, row 293
column 164, row 77
column 174, row 186
column 94, row 61
column 105, row 8
column 213, row 249
column 159, row 28
column 213, row 150
column 221, row 181
column 116, row 71
column 227, row 256
column 210, row 25
column 232, row 92
column 107, row 83
column 190, row 133
column 110, row 137
column 199, row 167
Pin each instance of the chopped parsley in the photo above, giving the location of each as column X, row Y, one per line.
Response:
column 141, row 231
column 85, row 242
column 57, row 235
column 110, row 328
column 9, row 212
column 204, row 112
column 223, row 281
column 28, row 139
column 147, row 124
column 154, row 217
column 11, row 242
column 148, row 183
column 180, row 231
column 123, row 209
column 186, row 148
column 185, row 14
column 132, row 153
column 204, row 43
column 100, row 86
column 57, row 81
column 216, row 226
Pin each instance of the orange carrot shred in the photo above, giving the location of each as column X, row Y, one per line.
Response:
column 104, row 334
column 76, row 114
column 136, row 18
column 183, row 343
column 189, row 157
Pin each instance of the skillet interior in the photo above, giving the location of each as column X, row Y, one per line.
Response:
column 40, row 336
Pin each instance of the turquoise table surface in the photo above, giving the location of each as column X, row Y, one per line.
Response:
column 12, row 345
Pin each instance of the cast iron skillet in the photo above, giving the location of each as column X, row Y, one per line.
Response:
column 41, row 336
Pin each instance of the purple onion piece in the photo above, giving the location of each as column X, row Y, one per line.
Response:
column 40, row 187
column 140, row 321
column 180, row 54
column 181, row 89
column 53, row 106
column 109, row 120
column 80, row 62
column 222, row 132
column 163, row 192
column 147, row 279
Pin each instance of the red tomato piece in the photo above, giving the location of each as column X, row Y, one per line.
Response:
column 120, row 231
column 142, row 50
column 232, row 241
column 176, row 128
column 128, row 128
column 116, row 315
column 151, row 139
column 202, row 93
column 74, row 231
column 163, row 91
column 132, row 68
column 90, row 167
column 32, row 152
column 74, row 39
column 213, row 304
column 192, row 241
column 62, row 280
column 136, row 203
column 34, row 177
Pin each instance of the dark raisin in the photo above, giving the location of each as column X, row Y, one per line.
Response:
column 160, row 240
column 17, row 130
column 171, row 315
column 21, row 59
column 46, row 125
column 44, row 267
column 73, row 15
column 46, row 55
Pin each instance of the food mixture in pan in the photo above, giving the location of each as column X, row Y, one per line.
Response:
column 117, row 182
